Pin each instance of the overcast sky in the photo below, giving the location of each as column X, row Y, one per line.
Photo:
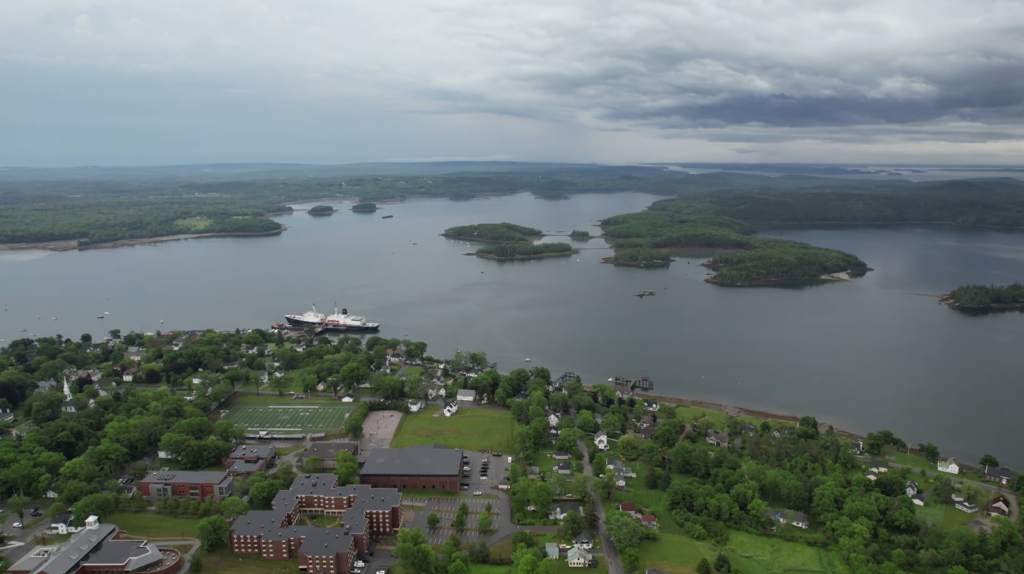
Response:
column 129, row 82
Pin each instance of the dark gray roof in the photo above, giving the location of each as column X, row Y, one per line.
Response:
column 999, row 472
column 122, row 551
column 68, row 557
column 187, row 476
column 563, row 466
column 64, row 518
column 413, row 462
column 251, row 450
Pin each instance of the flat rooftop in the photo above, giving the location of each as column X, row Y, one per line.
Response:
column 413, row 461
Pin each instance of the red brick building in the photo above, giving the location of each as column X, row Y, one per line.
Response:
column 361, row 512
column 427, row 467
column 186, row 484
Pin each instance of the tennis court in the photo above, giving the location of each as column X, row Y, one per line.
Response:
column 289, row 418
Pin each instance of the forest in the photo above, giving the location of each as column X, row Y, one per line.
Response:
column 524, row 250
column 988, row 297
column 365, row 206
column 321, row 210
column 497, row 232
column 640, row 256
column 756, row 260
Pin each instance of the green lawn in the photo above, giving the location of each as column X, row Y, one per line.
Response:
column 686, row 414
column 272, row 398
column 473, row 429
column 153, row 525
column 915, row 462
column 412, row 371
column 224, row 562
column 643, row 497
column 193, row 225
column 294, row 417
column 755, row 554
column 944, row 515
column 673, row 553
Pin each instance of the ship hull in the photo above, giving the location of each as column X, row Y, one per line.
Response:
column 350, row 328
column 295, row 321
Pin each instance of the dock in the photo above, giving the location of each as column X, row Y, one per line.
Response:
column 640, row 383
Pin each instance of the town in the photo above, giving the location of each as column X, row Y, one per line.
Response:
column 280, row 451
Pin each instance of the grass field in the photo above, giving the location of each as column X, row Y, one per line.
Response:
column 673, row 553
column 153, row 525
column 224, row 562
column 272, row 398
column 289, row 418
column 756, row 554
column 945, row 516
column 473, row 429
column 193, row 224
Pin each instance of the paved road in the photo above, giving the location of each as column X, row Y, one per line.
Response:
column 22, row 536
column 611, row 555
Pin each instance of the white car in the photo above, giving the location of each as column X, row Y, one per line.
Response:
column 359, row 564
column 531, row 508
column 17, row 525
column 477, row 493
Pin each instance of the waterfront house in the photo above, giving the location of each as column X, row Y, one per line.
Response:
column 717, row 438
column 623, row 392
column 911, row 488
column 968, row 507
column 651, row 406
column 749, row 429
column 949, row 465
column 1001, row 475
column 879, row 466
column 999, row 505
column 450, row 408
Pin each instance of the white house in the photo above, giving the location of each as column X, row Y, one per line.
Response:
column 450, row 408
column 348, row 398
column 63, row 524
column 321, row 386
column 794, row 517
column 651, row 406
column 415, row 405
column 917, row 499
column 129, row 375
column 717, row 438
column 6, row 415
column 949, row 465
column 560, row 455
column 466, row 395
column 968, row 507
column 601, row 440
column 559, row 512
column 553, row 419
column 578, row 557
column 912, row 488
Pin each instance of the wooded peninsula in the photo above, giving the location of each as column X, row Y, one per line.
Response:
column 983, row 298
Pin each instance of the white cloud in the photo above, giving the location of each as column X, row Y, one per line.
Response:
column 637, row 75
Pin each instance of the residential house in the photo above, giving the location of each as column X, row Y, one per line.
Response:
column 553, row 420
column 879, row 466
column 717, row 438
column 870, row 475
column 300, row 348
column 6, row 416
column 251, row 350
column 46, row 385
column 128, row 375
column 623, row 392
column 599, row 418
column 794, row 517
column 104, row 388
column 178, row 343
column 630, row 509
column 558, row 512
column 63, row 524
column 134, row 353
column 651, row 406
column 999, row 505
column 551, row 549
column 263, row 377
column 321, row 387
column 468, row 395
column 450, row 408
column 749, row 429
column 563, row 468
column 949, row 465
column 649, row 521
column 416, row 405
column 912, row 488
column 396, row 356
column 1003, row 476
column 579, row 558
column 957, row 497
column 560, row 455
column 601, row 440
column 968, row 507
column 348, row 398
column 917, row 499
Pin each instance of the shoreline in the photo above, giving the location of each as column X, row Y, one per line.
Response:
column 72, row 244
column 524, row 257
column 996, row 308
column 848, row 275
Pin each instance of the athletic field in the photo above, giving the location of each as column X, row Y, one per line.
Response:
column 289, row 418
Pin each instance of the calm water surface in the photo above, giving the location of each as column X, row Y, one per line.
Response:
column 863, row 355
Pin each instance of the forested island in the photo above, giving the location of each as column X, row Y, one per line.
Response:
column 321, row 210
column 493, row 232
column 580, row 235
column 507, row 251
column 639, row 257
column 754, row 261
column 983, row 298
column 366, row 206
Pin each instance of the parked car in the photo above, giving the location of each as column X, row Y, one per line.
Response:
column 497, row 454
column 477, row 493
column 359, row 564
column 17, row 525
column 464, row 487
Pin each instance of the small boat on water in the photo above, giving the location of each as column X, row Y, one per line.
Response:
column 387, row 217
column 99, row 316
column 528, row 360
column 106, row 312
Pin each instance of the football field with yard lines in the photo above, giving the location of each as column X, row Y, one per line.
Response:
column 308, row 418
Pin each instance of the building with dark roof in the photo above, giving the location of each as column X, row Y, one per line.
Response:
column 249, row 458
column 326, row 451
column 428, row 467
column 361, row 510
column 186, row 484
column 95, row 548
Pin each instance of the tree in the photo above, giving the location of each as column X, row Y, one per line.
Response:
column 605, row 485
column 413, row 551
column 263, row 493
column 313, row 464
column 433, row 520
column 989, row 460
column 929, row 451
column 232, row 507
column 483, row 523
column 540, row 496
column 630, row 559
column 571, row 526
column 944, row 491
column 18, row 505
column 722, row 564
column 488, row 508
column 703, row 567
column 280, row 384
column 347, row 468
column 458, row 567
column 630, row 447
column 460, row 520
column 212, row 532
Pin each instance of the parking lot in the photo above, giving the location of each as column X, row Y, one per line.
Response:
column 497, row 470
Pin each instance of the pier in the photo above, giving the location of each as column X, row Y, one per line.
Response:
column 641, row 383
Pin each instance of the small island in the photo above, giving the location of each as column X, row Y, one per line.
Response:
column 580, row 235
column 509, row 251
column 365, row 206
column 746, row 259
column 321, row 210
column 986, row 298
column 639, row 257
column 493, row 232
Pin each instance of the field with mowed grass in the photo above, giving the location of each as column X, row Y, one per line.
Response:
column 473, row 429
column 224, row 562
column 748, row 554
column 291, row 418
column 945, row 516
column 153, row 525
